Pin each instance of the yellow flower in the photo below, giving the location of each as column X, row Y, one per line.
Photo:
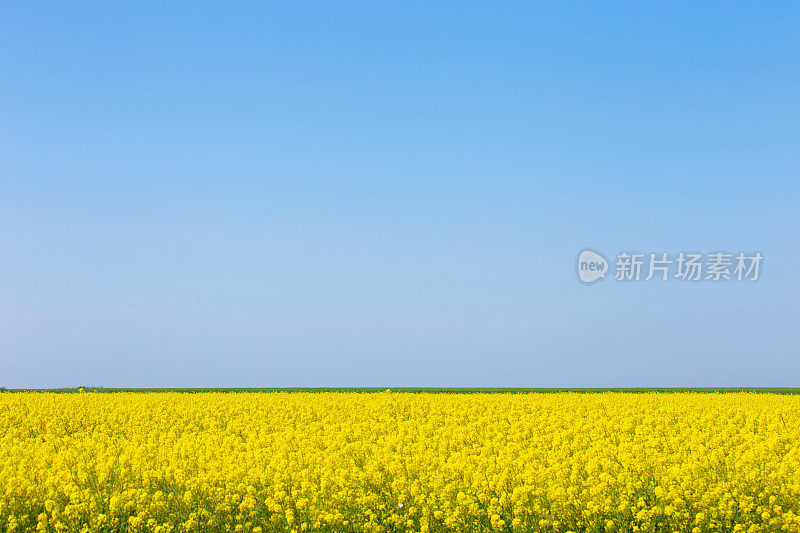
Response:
column 250, row 462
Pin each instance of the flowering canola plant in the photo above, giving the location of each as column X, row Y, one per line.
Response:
column 396, row 462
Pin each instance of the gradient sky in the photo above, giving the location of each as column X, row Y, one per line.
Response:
column 345, row 194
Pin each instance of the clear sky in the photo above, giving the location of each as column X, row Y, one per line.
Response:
column 345, row 194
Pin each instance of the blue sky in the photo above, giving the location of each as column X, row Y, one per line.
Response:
column 373, row 194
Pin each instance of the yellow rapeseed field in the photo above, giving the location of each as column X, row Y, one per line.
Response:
column 384, row 462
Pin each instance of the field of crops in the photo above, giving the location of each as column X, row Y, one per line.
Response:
column 389, row 461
